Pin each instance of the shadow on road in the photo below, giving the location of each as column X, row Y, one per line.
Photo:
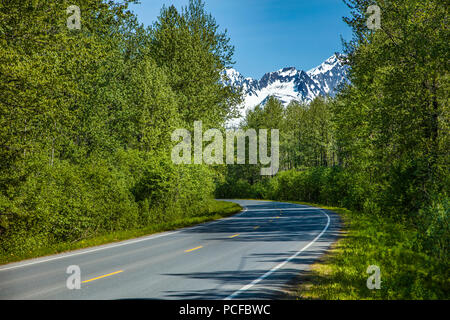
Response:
column 293, row 226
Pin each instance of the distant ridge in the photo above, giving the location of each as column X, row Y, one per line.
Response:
column 290, row 84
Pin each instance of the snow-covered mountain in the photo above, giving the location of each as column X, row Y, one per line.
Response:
column 290, row 84
column 329, row 75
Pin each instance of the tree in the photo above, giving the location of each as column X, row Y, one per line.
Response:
column 399, row 78
column 189, row 46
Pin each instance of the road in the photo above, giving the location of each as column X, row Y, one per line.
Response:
column 251, row 255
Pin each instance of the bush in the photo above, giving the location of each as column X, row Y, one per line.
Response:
column 68, row 202
column 434, row 228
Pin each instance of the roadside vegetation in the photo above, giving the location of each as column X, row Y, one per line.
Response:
column 86, row 117
column 212, row 210
column 367, row 239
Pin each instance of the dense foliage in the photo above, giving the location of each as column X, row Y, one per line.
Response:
column 86, row 117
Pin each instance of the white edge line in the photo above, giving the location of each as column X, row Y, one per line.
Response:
column 286, row 209
column 125, row 242
column 62, row 256
column 268, row 273
column 110, row 246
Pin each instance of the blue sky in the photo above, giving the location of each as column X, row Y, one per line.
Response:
column 268, row 34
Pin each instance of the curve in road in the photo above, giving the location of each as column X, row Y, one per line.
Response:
column 251, row 255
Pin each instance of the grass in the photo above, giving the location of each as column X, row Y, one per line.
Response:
column 341, row 274
column 216, row 210
column 368, row 240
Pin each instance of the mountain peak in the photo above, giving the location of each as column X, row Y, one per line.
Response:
column 326, row 66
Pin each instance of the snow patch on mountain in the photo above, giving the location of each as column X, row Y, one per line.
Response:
column 289, row 84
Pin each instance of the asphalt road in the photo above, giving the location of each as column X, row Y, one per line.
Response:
column 251, row 255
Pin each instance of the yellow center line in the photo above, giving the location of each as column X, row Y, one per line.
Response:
column 235, row 235
column 106, row 275
column 256, row 227
column 189, row 250
column 278, row 217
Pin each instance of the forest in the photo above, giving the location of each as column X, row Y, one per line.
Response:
column 86, row 118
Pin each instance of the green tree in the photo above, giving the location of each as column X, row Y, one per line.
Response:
column 190, row 47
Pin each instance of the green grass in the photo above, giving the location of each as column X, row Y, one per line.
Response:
column 368, row 240
column 340, row 274
column 216, row 210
